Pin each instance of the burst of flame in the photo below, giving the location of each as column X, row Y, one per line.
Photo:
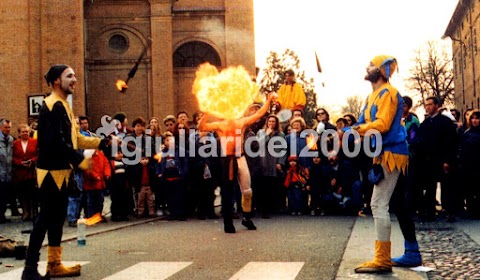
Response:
column 121, row 85
column 95, row 219
column 226, row 94
column 311, row 142
column 158, row 156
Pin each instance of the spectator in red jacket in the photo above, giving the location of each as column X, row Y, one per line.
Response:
column 94, row 182
column 24, row 161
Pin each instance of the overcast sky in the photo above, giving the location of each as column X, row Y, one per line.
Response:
column 347, row 34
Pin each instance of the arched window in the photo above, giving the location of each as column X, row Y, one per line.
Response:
column 118, row 43
column 192, row 54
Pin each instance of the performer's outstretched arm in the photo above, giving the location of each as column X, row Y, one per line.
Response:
column 204, row 126
column 261, row 112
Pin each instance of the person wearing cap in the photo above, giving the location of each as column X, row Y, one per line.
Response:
column 58, row 140
column 383, row 113
column 291, row 94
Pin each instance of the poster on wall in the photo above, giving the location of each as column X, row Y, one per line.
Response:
column 35, row 103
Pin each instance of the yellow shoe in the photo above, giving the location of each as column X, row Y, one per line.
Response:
column 55, row 267
column 381, row 263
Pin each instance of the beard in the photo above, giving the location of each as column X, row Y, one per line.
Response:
column 373, row 77
column 65, row 86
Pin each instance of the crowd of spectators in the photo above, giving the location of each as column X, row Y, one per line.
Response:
column 171, row 169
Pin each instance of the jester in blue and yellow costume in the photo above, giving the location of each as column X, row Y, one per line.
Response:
column 383, row 113
column 58, row 139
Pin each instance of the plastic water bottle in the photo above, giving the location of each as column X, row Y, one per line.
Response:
column 81, row 232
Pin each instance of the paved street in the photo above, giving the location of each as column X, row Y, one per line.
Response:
column 283, row 247
column 314, row 245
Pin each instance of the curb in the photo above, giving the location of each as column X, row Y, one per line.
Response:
column 360, row 248
column 73, row 236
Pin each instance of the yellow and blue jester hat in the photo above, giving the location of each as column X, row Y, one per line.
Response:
column 387, row 64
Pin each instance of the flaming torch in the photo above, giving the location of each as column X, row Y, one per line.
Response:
column 122, row 85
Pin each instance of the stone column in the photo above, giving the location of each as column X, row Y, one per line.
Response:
column 62, row 41
column 162, row 58
column 239, row 34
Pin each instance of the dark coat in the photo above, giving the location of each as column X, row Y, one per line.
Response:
column 470, row 150
column 345, row 176
column 181, row 164
column 437, row 140
column 134, row 171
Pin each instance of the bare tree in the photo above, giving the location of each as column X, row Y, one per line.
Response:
column 432, row 74
column 354, row 105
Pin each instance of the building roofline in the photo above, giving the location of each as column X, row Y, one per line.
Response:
column 456, row 19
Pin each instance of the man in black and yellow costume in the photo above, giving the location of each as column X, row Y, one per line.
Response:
column 58, row 139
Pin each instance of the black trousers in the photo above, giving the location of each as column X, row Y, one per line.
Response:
column 226, row 192
column 265, row 192
column 176, row 197
column 401, row 204
column 119, row 195
column 203, row 191
column 472, row 193
column 53, row 212
column 432, row 172
column 7, row 195
column 3, row 199
column 228, row 165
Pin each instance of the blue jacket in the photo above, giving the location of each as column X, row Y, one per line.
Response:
column 172, row 161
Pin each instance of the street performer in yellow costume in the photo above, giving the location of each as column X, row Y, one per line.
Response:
column 383, row 113
column 291, row 94
column 58, row 139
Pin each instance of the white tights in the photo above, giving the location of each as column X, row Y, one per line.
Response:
column 380, row 204
column 244, row 181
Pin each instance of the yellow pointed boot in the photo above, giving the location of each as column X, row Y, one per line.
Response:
column 381, row 262
column 55, row 267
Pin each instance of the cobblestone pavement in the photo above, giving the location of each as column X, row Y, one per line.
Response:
column 451, row 252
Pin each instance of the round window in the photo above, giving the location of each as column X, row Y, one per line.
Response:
column 118, row 43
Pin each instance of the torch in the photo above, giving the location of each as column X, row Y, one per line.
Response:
column 123, row 85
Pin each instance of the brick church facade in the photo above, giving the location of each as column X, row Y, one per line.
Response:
column 102, row 40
